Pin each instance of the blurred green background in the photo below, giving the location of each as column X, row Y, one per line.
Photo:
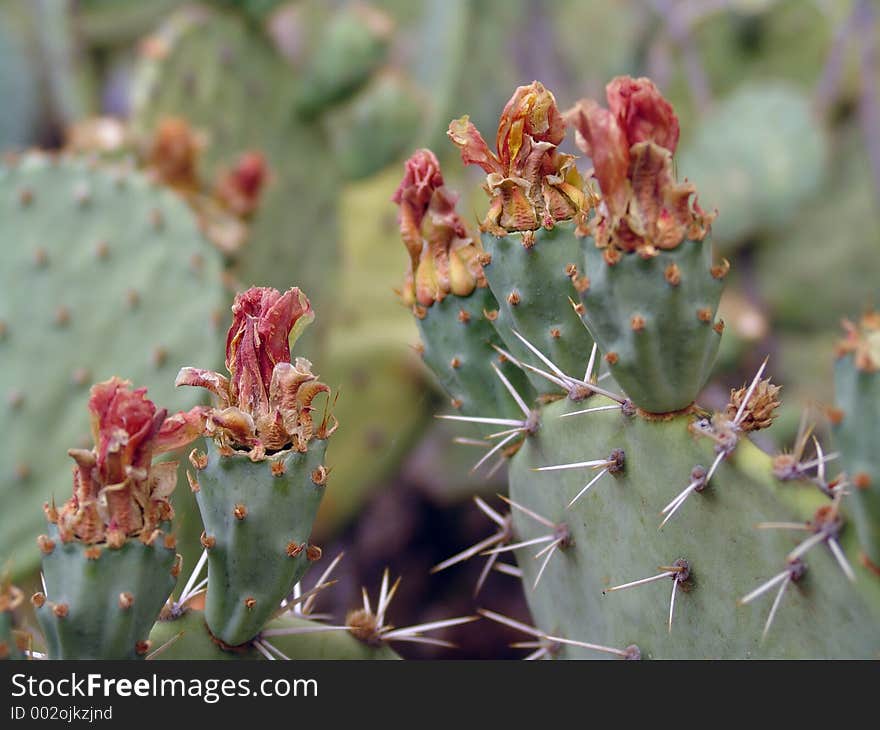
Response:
column 779, row 102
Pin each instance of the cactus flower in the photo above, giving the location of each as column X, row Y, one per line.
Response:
column 530, row 183
column 118, row 491
column 240, row 188
column 862, row 341
column 631, row 143
column 444, row 259
column 173, row 154
column 265, row 404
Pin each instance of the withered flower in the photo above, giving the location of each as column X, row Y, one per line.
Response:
column 530, row 183
column 173, row 154
column 760, row 409
column 240, row 188
column 631, row 143
column 117, row 491
column 443, row 257
column 266, row 404
column 862, row 341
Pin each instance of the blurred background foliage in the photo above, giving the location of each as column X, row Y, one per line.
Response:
column 779, row 102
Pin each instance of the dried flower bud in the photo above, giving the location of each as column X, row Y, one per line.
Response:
column 761, row 408
column 862, row 341
column 266, row 404
column 529, row 182
column 174, row 154
column 631, row 143
column 444, row 259
column 118, row 492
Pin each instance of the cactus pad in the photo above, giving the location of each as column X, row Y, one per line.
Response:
column 534, row 278
column 655, row 321
column 258, row 518
column 613, row 539
column 100, row 603
column 104, row 274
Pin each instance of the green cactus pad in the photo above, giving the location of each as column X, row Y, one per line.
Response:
column 103, row 607
column 255, row 519
column 757, row 156
column 658, row 338
column 104, row 274
column 196, row 642
column 857, row 397
column 224, row 78
column 376, row 126
column 346, row 49
column 458, row 349
column 533, row 288
column 615, row 539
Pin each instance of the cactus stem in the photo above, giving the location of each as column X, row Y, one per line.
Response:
column 679, row 571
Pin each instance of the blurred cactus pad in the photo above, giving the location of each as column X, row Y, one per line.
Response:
column 105, row 272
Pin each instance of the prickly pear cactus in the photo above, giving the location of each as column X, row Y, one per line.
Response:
column 643, row 525
column 282, row 113
column 109, row 273
column 537, row 198
column 109, row 562
column 448, row 293
column 259, row 485
column 239, row 72
column 856, row 421
column 257, row 528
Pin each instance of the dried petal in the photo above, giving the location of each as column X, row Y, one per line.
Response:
column 642, row 113
column 215, row 382
column 263, row 321
column 474, row 150
column 181, row 429
column 601, row 138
